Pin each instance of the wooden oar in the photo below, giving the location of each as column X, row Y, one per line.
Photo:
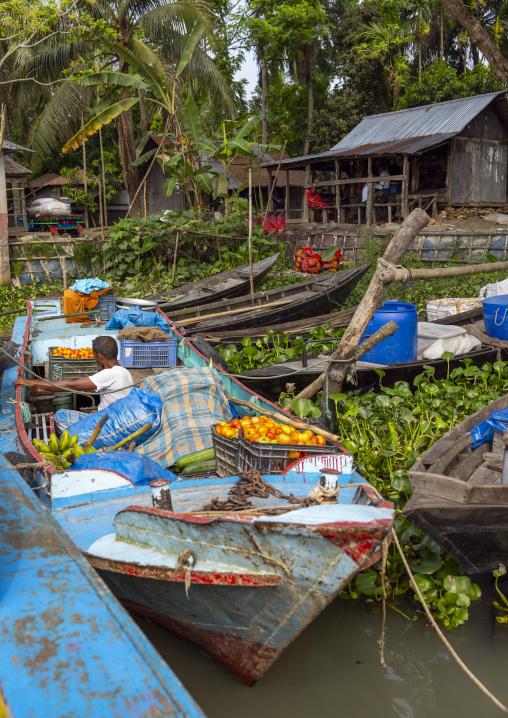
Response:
column 205, row 317
column 286, row 420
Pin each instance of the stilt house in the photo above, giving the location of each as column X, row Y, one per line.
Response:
column 443, row 155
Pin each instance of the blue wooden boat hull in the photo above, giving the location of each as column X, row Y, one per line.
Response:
column 253, row 583
column 256, row 582
column 66, row 647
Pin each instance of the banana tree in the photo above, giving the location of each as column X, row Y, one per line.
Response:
column 190, row 168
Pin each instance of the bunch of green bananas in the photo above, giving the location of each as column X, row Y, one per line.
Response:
column 64, row 452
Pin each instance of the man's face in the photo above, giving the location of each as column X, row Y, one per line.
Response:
column 99, row 359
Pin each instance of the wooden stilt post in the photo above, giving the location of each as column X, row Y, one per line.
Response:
column 337, row 192
column 5, row 266
column 306, row 208
column 269, row 204
column 370, row 193
column 405, row 187
column 286, row 202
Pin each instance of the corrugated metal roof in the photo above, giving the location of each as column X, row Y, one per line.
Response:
column 54, row 180
column 14, row 169
column 407, row 131
column 438, row 119
column 12, row 147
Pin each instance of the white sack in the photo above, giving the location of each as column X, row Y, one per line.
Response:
column 456, row 345
column 51, row 207
column 494, row 290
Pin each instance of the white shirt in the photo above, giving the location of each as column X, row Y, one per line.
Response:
column 386, row 184
column 116, row 377
column 365, row 191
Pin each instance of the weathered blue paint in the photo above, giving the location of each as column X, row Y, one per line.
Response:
column 67, row 648
column 255, row 581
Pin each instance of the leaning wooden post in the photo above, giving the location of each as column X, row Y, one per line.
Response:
column 251, row 270
column 174, row 258
column 372, row 300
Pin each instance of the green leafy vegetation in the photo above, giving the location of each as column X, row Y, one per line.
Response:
column 275, row 347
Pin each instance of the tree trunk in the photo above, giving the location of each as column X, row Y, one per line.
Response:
column 143, row 119
column 441, row 34
column 310, row 112
column 264, row 93
column 127, row 147
column 419, row 63
column 479, row 36
column 475, row 54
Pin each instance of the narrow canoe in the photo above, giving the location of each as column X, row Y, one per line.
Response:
column 271, row 380
column 458, row 499
column 312, row 297
column 231, row 283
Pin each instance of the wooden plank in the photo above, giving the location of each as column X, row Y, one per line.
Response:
column 436, row 451
column 357, row 180
column 447, row 487
column 497, row 444
column 439, row 466
column 466, row 466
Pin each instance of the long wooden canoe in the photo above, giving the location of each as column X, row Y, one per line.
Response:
column 231, row 283
column 271, row 380
column 458, row 499
column 314, row 296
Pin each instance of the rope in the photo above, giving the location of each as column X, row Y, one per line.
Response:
column 431, row 618
column 383, row 264
column 384, row 559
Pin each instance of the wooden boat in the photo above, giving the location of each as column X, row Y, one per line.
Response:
column 66, row 647
column 231, row 283
column 314, row 296
column 255, row 581
column 272, row 379
column 293, row 329
column 458, row 499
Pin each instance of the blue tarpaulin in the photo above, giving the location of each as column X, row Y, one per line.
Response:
column 497, row 421
column 136, row 317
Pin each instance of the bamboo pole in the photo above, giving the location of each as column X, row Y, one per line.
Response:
column 294, row 423
column 251, row 269
column 398, row 274
column 85, row 178
column 174, row 258
column 205, row 317
column 272, row 184
column 105, row 202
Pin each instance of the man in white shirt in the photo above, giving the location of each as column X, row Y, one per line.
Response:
column 111, row 378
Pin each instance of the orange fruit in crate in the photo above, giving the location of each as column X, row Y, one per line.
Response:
column 320, row 440
column 294, row 454
column 283, row 438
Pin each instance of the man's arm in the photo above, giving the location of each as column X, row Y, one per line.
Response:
column 84, row 384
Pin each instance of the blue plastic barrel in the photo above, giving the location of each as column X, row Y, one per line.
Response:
column 495, row 316
column 401, row 346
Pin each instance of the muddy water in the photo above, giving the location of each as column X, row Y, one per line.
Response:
column 332, row 669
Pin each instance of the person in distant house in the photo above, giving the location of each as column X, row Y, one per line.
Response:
column 111, row 378
column 278, row 203
column 382, row 191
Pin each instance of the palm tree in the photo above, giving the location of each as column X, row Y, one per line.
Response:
column 119, row 25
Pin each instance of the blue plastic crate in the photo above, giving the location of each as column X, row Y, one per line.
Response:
column 143, row 355
column 106, row 306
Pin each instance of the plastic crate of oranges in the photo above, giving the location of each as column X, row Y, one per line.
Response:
column 268, row 431
column 86, row 353
column 66, row 363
